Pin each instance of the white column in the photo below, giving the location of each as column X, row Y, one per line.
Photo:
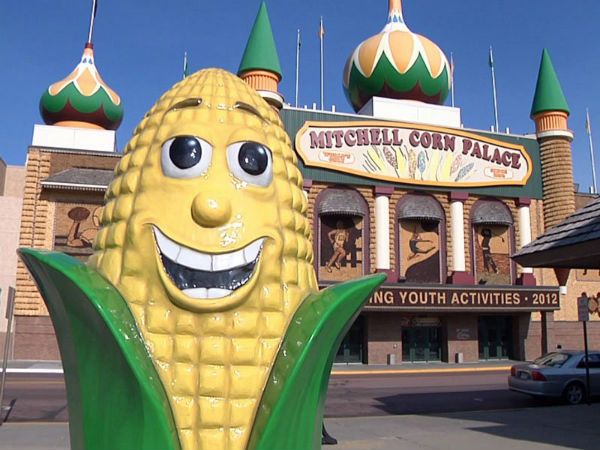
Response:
column 457, row 231
column 382, row 232
column 525, row 230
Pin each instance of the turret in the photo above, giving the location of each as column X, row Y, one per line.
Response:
column 260, row 66
column 550, row 113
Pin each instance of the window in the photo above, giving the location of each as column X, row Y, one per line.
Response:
column 341, row 235
column 594, row 361
column 421, row 237
column 492, row 242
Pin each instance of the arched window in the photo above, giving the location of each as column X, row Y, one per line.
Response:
column 341, row 231
column 421, row 239
column 492, row 242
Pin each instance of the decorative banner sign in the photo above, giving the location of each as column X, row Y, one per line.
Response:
column 413, row 154
column 464, row 298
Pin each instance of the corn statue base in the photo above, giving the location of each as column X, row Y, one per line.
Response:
column 197, row 324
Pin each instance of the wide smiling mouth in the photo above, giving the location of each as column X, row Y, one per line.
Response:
column 207, row 275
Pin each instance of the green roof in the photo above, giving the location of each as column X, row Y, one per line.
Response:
column 261, row 53
column 548, row 93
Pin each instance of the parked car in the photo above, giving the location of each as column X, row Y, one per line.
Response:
column 557, row 374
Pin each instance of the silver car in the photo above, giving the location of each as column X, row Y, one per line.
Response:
column 557, row 374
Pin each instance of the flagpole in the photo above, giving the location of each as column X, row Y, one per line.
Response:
column 588, row 129
column 297, row 64
column 185, row 65
column 92, row 19
column 452, row 76
column 494, row 90
column 321, row 35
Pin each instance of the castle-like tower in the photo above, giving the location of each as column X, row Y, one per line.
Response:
column 550, row 113
column 260, row 66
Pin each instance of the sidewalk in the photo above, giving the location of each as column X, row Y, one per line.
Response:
column 544, row 428
column 415, row 368
column 26, row 366
column 30, row 366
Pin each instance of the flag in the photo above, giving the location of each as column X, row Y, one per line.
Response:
column 321, row 29
column 186, row 71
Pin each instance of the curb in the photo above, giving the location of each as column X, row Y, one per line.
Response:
column 419, row 371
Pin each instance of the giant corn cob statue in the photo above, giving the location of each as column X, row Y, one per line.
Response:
column 197, row 324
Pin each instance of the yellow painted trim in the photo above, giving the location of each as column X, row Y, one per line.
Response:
column 418, row 371
column 375, row 123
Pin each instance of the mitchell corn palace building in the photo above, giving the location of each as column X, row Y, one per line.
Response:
column 399, row 187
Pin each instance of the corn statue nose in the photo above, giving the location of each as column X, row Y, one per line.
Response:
column 181, row 379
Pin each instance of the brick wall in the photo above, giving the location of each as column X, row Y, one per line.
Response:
column 385, row 337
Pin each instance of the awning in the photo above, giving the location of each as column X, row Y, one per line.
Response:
column 420, row 207
column 342, row 201
column 80, row 179
column 491, row 213
column 573, row 243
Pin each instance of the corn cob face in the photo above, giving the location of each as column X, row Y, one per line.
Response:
column 204, row 234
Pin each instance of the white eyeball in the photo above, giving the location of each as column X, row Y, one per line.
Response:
column 251, row 162
column 185, row 157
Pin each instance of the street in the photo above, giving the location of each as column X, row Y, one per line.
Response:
column 378, row 395
column 42, row 398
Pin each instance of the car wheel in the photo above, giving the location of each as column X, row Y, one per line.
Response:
column 574, row 393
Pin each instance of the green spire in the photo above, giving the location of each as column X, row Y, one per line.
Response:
column 261, row 53
column 548, row 93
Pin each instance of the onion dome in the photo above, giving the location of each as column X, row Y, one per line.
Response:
column 397, row 63
column 82, row 99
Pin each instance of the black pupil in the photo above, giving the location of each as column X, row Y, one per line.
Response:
column 253, row 158
column 185, row 151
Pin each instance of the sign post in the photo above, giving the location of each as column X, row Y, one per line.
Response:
column 9, row 315
column 584, row 316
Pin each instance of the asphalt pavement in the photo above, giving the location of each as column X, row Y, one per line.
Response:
column 548, row 428
column 405, row 407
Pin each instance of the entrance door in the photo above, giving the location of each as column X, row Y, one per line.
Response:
column 351, row 348
column 421, row 344
column 495, row 337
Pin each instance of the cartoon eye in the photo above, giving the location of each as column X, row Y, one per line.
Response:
column 251, row 162
column 185, row 157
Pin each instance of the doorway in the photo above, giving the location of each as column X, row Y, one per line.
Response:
column 421, row 344
column 495, row 337
column 351, row 349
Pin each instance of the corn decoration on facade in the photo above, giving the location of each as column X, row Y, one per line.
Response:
column 214, row 352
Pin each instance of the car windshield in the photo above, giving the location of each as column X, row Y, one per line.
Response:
column 552, row 359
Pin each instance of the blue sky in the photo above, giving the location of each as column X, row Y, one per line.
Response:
column 139, row 47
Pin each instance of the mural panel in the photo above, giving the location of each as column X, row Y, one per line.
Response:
column 588, row 275
column 341, row 247
column 492, row 254
column 420, row 251
column 76, row 226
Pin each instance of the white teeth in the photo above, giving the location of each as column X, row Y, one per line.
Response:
column 206, row 261
column 193, row 259
column 207, row 293
column 228, row 260
column 168, row 248
column 252, row 250
column 216, row 292
column 196, row 292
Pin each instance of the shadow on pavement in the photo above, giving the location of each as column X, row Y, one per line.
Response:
column 444, row 402
column 573, row 427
